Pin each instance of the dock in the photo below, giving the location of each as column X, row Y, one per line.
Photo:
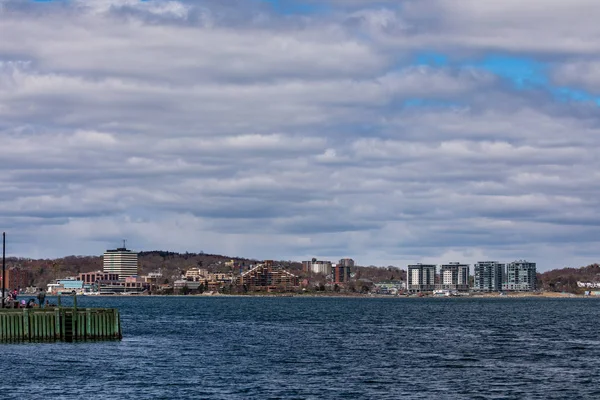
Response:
column 59, row 324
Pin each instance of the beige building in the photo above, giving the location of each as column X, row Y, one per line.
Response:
column 196, row 274
column 120, row 261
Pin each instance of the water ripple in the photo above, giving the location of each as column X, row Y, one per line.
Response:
column 317, row 348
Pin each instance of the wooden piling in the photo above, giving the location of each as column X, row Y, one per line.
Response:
column 59, row 324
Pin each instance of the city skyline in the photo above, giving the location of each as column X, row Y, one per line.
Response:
column 390, row 132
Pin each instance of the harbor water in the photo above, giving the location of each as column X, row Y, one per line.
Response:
column 320, row 348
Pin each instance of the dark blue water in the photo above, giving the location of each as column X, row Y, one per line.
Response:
column 321, row 348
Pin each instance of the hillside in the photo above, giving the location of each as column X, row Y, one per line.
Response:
column 169, row 263
column 565, row 279
column 172, row 265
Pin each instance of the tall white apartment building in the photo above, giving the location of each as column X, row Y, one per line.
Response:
column 317, row 267
column 321, row 267
column 121, row 261
column 421, row 277
column 454, row 276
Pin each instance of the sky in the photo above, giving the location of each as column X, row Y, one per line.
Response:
column 392, row 132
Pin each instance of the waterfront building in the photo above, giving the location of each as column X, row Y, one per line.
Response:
column 454, row 276
column 267, row 277
column 390, row 287
column 183, row 283
column 66, row 286
column 341, row 273
column 488, row 276
column 520, row 276
column 421, row 277
column 92, row 277
column 121, row 287
column 121, row 261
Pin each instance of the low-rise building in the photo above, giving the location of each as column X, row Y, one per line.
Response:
column 182, row 283
column 153, row 278
column 66, row 286
column 133, row 286
column 91, row 277
column 588, row 284
column 196, row 274
column 391, row 287
column 220, row 277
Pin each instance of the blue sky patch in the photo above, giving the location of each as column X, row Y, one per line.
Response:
column 523, row 72
column 565, row 94
column 292, row 7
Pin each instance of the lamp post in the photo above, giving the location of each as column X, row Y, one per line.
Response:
column 3, row 266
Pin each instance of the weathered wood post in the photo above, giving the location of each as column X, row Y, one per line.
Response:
column 26, row 334
column 88, row 324
column 56, row 324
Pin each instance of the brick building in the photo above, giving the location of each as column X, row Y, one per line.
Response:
column 17, row 278
column 267, row 277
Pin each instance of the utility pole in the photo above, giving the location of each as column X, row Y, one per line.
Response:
column 3, row 266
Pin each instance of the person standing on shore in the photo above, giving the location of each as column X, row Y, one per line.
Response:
column 41, row 297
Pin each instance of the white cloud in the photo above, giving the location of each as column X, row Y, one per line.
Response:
column 581, row 74
column 241, row 131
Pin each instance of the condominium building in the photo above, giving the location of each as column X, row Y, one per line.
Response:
column 121, row 261
column 16, row 278
column 488, row 276
column 317, row 267
column 454, row 276
column 346, row 262
column 267, row 277
column 520, row 276
column 340, row 273
column 421, row 277
column 196, row 274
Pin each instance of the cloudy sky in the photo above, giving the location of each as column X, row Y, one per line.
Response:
column 388, row 131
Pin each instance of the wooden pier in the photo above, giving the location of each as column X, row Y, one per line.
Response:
column 59, row 324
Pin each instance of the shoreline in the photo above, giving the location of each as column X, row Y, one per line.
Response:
column 546, row 295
